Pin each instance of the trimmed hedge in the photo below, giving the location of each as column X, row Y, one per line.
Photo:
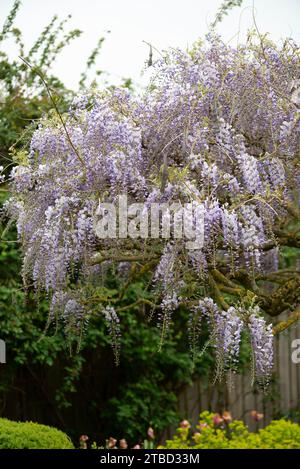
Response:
column 29, row 435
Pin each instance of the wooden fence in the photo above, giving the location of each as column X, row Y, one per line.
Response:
column 282, row 398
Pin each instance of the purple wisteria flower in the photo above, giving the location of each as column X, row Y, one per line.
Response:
column 113, row 325
column 262, row 345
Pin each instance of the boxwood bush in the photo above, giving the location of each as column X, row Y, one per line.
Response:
column 29, row 435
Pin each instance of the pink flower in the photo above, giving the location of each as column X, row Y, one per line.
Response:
column 201, row 426
column 185, row 424
column 111, row 443
column 150, row 433
column 256, row 415
column 123, row 444
column 217, row 419
column 227, row 416
column 82, row 441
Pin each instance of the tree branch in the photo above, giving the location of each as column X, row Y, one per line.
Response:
column 283, row 325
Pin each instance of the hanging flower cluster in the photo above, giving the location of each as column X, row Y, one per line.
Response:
column 262, row 344
column 226, row 330
column 217, row 127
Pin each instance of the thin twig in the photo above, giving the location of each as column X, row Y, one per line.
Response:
column 39, row 73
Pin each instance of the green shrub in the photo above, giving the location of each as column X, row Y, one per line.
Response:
column 29, row 435
column 219, row 433
column 280, row 434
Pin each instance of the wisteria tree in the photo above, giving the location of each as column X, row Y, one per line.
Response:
column 217, row 127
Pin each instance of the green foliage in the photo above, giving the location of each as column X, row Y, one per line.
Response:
column 23, row 96
column 279, row 434
column 91, row 61
column 29, row 435
column 224, row 9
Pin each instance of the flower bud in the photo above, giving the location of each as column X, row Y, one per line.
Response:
column 185, row 424
column 82, row 441
column 111, row 443
column 256, row 416
column 150, row 433
column 227, row 416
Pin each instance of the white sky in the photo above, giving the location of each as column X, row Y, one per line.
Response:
column 163, row 23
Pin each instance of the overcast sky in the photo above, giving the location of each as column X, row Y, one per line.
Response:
column 163, row 23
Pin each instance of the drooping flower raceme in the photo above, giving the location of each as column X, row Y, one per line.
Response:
column 262, row 344
column 226, row 330
column 113, row 324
